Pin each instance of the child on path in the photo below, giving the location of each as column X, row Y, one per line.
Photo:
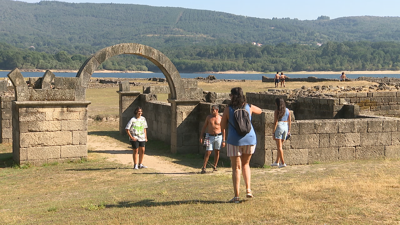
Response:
column 137, row 132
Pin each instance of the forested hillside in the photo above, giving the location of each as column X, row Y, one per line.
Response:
column 84, row 28
column 332, row 56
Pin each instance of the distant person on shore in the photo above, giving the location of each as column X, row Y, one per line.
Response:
column 343, row 77
column 214, row 138
column 282, row 79
column 281, row 132
column 239, row 148
column 276, row 79
column 137, row 132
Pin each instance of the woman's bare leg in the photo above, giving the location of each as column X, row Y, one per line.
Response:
column 245, row 158
column 236, row 167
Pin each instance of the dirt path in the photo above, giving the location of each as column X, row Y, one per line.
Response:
column 122, row 153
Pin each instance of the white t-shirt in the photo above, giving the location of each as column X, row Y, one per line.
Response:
column 136, row 126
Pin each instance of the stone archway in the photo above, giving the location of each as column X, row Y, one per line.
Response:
column 184, row 93
column 159, row 59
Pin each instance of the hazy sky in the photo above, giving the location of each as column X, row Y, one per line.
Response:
column 300, row 9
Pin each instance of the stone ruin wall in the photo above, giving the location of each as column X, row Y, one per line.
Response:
column 330, row 140
column 49, row 119
column 47, row 132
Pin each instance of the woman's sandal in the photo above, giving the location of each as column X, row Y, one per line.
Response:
column 214, row 168
column 249, row 194
column 234, row 200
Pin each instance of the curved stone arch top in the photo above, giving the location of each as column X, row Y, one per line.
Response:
column 159, row 59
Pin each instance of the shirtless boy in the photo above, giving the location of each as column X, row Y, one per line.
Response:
column 214, row 138
column 276, row 79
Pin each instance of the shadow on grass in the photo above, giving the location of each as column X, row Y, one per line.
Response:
column 159, row 148
column 113, row 152
column 97, row 169
column 152, row 203
column 6, row 160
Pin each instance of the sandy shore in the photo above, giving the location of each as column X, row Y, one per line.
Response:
column 227, row 72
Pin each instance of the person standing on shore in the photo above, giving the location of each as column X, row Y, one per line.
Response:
column 239, row 148
column 276, row 79
column 282, row 125
column 343, row 77
column 282, row 79
column 214, row 138
column 137, row 132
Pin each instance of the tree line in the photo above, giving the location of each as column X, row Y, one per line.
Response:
column 332, row 56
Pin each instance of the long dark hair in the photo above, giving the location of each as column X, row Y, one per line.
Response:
column 238, row 99
column 280, row 107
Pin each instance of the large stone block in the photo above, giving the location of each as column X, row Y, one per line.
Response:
column 353, row 126
column 66, row 82
column 43, row 153
column 6, row 134
column 79, row 137
column 35, row 139
column 395, row 138
column 295, row 128
column 294, row 156
column 43, row 126
column 304, row 141
column 73, row 125
column 324, row 141
column 307, row 127
column 384, row 94
column 32, row 116
column 389, row 125
column 323, row 154
column 392, row 151
column 326, row 127
column 347, row 153
column 73, row 151
column 344, row 139
column 65, row 115
column 51, row 95
column 370, row 152
column 261, row 157
column 376, row 139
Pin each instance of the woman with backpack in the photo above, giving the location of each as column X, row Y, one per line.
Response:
column 281, row 132
column 240, row 146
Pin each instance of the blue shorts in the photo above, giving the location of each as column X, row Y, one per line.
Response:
column 213, row 142
column 281, row 130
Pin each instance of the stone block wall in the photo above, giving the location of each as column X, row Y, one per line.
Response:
column 184, row 127
column 385, row 103
column 6, row 118
column 316, row 108
column 156, row 89
column 338, row 140
column 158, row 117
column 264, row 101
column 46, row 132
column 307, row 108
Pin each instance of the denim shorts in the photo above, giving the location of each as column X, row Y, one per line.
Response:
column 281, row 130
column 213, row 142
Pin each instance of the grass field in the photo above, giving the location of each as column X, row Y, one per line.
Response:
column 96, row 191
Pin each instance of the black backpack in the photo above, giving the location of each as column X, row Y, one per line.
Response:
column 242, row 122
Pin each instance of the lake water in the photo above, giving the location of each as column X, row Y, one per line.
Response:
column 194, row 75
